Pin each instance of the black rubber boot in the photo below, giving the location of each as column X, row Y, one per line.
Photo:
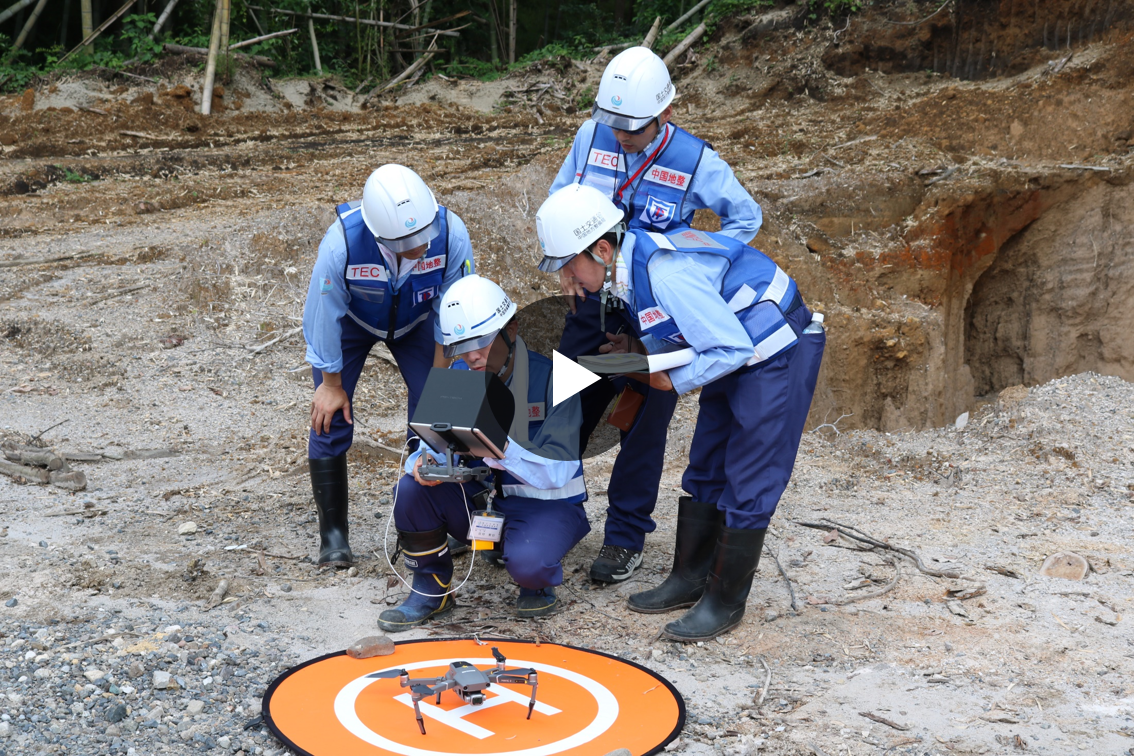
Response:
column 730, row 578
column 329, row 487
column 697, row 527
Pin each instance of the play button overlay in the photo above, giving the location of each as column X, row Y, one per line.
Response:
column 568, row 377
column 587, row 703
column 548, row 326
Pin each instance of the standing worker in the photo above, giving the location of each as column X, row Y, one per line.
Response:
column 658, row 174
column 382, row 269
column 737, row 323
column 539, row 484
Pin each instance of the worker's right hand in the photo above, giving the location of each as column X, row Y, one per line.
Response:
column 327, row 401
column 418, row 478
column 621, row 343
column 571, row 288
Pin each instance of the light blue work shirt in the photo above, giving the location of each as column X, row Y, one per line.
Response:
column 714, row 184
column 327, row 305
column 687, row 285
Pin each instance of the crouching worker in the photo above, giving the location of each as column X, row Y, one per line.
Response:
column 735, row 322
column 538, row 486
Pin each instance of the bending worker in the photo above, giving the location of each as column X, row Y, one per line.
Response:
column 658, row 174
column 736, row 321
column 383, row 266
column 539, row 484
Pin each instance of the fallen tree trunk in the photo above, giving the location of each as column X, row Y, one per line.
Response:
column 71, row 480
column 410, row 71
column 258, row 60
column 22, row 472
column 684, row 45
column 25, row 31
column 35, row 457
column 688, row 15
column 102, row 27
column 16, row 8
column 264, row 38
column 163, row 18
column 652, row 36
column 348, row 19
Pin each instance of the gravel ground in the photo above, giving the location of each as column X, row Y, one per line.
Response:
column 115, row 681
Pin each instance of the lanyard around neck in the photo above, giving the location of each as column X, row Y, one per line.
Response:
column 644, row 166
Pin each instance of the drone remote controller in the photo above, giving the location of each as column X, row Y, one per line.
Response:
column 453, row 472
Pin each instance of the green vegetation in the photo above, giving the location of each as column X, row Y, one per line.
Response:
column 72, row 177
column 357, row 52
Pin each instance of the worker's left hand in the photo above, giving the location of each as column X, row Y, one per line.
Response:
column 416, row 474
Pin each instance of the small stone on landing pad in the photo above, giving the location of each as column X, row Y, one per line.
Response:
column 371, row 645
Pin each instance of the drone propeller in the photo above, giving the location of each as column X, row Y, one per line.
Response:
column 514, row 676
column 389, row 673
column 422, row 690
column 500, row 658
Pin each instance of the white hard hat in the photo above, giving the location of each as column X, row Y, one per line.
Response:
column 473, row 311
column 634, row 89
column 399, row 209
column 570, row 221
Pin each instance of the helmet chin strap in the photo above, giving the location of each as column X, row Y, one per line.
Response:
column 608, row 279
column 511, row 353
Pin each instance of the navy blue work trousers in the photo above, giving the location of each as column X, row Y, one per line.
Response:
column 748, row 431
column 633, row 490
column 414, row 354
column 537, row 533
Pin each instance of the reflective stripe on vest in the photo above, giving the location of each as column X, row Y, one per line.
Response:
column 658, row 201
column 383, row 334
column 575, row 487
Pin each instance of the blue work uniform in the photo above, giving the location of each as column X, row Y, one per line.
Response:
column 685, row 175
column 743, row 317
column 542, row 494
column 361, row 293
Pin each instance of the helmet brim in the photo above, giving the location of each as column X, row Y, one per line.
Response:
column 411, row 241
column 619, row 121
column 469, row 345
column 552, row 264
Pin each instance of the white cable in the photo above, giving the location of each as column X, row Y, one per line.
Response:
column 386, row 535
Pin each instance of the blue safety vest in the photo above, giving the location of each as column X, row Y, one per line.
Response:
column 539, row 389
column 375, row 304
column 755, row 288
column 658, row 201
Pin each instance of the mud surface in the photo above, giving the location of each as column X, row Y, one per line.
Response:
column 149, row 251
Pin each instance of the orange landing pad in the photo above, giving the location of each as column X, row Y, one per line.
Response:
column 588, row 703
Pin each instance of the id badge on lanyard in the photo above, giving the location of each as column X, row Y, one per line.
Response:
column 486, row 530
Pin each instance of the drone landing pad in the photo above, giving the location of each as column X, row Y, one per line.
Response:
column 587, row 703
